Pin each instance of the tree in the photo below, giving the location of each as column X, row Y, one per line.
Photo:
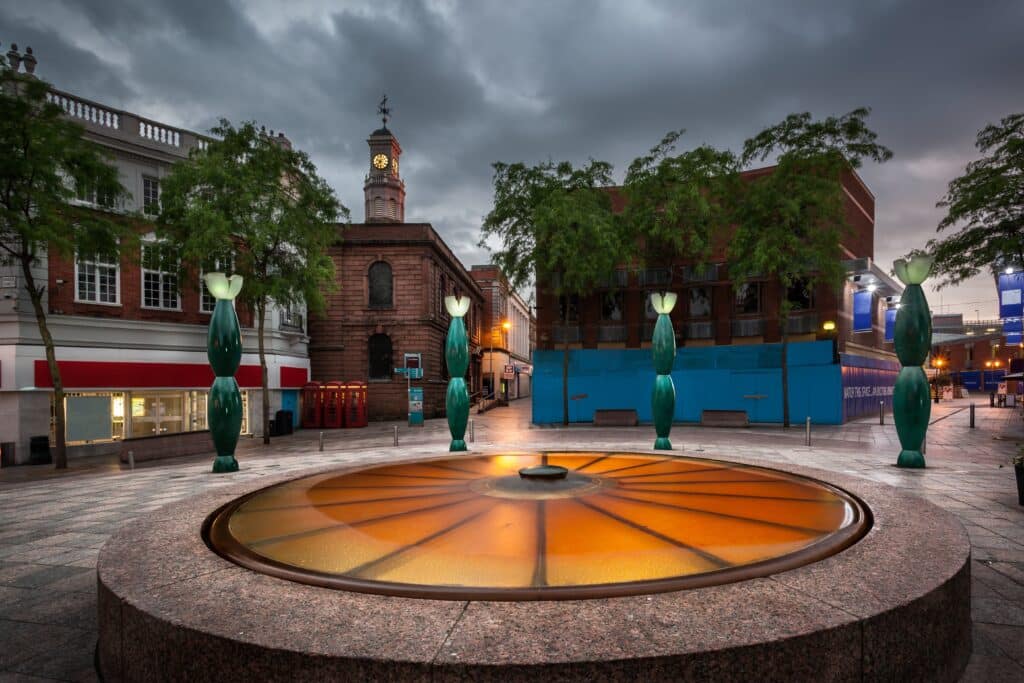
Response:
column 677, row 204
column 789, row 222
column 988, row 200
column 45, row 162
column 252, row 197
column 555, row 224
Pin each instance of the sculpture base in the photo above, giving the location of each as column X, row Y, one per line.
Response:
column 662, row 444
column 225, row 463
column 458, row 445
column 910, row 459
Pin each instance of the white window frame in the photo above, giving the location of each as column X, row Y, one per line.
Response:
column 95, row 261
column 288, row 314
column 146, row 210
column 143, row 270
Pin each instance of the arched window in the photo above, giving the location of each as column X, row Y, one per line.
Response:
column 378, row 207
column 380, row 285
column 380, row 356
column 392, row 209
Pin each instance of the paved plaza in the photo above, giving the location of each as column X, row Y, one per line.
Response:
column 52, row 525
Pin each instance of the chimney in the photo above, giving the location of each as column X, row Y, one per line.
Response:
column 13, row 58
column 30, row 62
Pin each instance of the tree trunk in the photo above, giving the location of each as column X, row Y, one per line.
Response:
column 565, row 366
column 60, row 454
column 784, row 325
column 262, row 305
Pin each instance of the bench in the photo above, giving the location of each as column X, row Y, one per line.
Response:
column 618, row 417
column 724, row 418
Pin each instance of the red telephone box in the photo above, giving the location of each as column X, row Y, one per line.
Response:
column 334, row 405
column 355, row 411
column 312, row 407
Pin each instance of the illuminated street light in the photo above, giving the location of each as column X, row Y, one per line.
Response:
column 829, row 325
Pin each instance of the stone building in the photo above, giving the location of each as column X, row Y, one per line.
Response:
column 508, row 341
column 393, row 277
column 130, row 338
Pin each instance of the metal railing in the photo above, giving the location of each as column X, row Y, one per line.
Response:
column 566, row 334
column 751, row 327
column 802, row 324
column 700, row 329
column 611, row 333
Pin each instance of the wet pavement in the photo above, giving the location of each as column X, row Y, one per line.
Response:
column 52, row 524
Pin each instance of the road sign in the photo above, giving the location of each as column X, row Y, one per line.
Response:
column 510, row 372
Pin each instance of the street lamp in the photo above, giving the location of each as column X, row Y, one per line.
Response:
column 505, row 325
column 830, row 327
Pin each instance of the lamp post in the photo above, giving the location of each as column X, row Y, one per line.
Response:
column 830, row 327
column 456, row 352
column 505, row 325
column 912, row 338
column 224, row 351
column 663, row 344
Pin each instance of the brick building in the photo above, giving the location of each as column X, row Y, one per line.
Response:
column 508, row 328
column 130, row 337
column 393, row 277
column 727, row 334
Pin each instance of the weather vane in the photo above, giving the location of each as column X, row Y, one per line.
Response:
column 384, row 110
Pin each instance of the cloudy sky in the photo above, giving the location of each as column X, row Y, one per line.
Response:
column 476, row 82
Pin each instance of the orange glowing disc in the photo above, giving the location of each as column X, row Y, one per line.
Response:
column 471, row 527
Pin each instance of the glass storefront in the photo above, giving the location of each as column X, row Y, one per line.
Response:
column 101, row 416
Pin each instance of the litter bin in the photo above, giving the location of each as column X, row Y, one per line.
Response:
column 7, row 454
column 285, row 422
column 39, row 450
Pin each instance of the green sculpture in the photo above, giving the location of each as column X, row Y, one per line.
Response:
column 663, row 400
column 456, row 352
column 911, row 406
column 224, row 349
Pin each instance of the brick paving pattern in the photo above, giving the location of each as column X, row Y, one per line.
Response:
column 52, row 525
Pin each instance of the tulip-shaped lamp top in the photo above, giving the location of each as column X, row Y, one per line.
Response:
column 223, row 287
column 915, row 271
column 456, row 306
column 663, row 303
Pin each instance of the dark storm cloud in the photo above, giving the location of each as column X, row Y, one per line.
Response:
column 476, row 82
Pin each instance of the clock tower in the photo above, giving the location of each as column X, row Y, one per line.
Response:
column 384, row 191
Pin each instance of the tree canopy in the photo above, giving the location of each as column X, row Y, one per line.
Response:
column 676, row 204
column 987, row 202
column 251, row 199
column 45, row 165
column 790, row 220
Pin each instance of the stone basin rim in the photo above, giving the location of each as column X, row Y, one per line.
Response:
column 219, row 540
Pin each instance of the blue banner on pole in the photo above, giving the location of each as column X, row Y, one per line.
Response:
column 862, row 311
column 1013, row 338
column 1010, row 291
column 890, row 324
column 1013, row 325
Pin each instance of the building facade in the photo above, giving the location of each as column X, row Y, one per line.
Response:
column 130, row 338
column 728, row 328
column 508, row 325
column 393, row 277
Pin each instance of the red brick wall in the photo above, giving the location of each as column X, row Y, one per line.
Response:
column 416, row 323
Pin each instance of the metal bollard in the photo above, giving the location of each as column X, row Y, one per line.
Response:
column 972, row 414
column 321, row 442
column 881, row 412
column 472, row 432
column 131, row 460
column 808, row 438
column 396, row 435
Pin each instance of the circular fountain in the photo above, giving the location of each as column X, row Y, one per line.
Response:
column 537, row 526
column 549, row 564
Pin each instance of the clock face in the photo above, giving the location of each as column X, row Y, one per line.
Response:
column 394, row 166
column 380, row 161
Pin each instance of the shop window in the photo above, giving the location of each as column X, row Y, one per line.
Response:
column 92, row 417
column 569, row 308
column 748, row 298
column 381, row 285
column 700, row 302
column 800, row 296
column 380, row 356
column 98, row 280
column 611, row 307
column 160, row 276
